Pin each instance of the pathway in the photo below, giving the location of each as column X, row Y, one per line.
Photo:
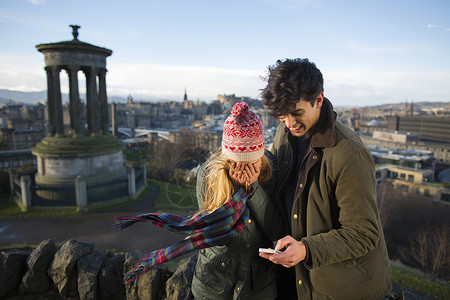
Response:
column 93, row 227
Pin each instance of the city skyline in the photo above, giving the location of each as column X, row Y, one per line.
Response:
column 369, row 53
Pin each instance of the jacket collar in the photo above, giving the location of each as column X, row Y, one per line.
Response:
column 323, row 136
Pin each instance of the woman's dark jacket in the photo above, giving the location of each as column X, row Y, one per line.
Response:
column 235, row 270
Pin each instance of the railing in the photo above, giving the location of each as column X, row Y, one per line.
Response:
column 78, row 194
column 53, row 196
column 104, row 191
column 16, row 190
column 139, row 176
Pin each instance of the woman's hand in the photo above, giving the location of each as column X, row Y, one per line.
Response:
column 245, row 173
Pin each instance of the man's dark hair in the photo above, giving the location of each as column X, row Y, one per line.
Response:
column 288, row 82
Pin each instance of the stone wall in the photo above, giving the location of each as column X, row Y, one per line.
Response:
column 76, row 271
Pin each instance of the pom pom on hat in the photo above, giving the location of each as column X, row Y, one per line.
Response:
column 240, row 109
column 242, row 138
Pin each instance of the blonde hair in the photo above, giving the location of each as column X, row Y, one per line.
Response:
column 217, row 187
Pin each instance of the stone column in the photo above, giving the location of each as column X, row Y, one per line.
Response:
column 103, row 101
column 76, row 125
column 81, row 194
column 25, row 185
column 144, row 173
column 50, row 102
column 40, row 165
column 57, row 102
column 131, row 182
column 92, row 102
column 114, row 125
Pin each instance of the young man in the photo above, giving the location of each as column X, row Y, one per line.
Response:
column 327, row 193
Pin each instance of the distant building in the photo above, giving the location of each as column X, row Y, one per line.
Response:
column 16, row 159
column 395, row 136
column 408, row 165
column 22, row 126
column 168, row 115
column 433, row 129
column 15, row 139
column 208, row 140
column 410, row 170
column 371, row 126
column 407, row 141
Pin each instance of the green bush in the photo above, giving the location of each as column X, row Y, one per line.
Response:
column 429, row 288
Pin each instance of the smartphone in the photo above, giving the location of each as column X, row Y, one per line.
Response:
column 268, row 250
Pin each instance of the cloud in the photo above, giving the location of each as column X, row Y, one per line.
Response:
column 447, row 29
column 360, row 87
column 151, row 82
column 37, row 2
column 163, row 81
column 22, row 73
column 429, row 26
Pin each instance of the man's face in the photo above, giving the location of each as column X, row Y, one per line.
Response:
column 303, row 117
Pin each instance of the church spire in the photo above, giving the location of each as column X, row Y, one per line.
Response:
column 186, row 103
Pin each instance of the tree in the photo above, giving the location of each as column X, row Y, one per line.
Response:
column 163, row 158
column 168, row 161
column 410, row 218
column 428, row 250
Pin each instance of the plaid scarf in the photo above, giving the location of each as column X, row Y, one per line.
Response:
column 205, row 230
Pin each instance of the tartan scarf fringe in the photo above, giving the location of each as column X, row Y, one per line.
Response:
column 205, row 230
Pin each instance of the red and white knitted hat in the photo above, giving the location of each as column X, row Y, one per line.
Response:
column 243, row 138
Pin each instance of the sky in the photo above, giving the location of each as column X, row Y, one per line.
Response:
column 369, row 52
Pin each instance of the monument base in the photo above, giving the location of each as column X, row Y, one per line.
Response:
column 64, row 162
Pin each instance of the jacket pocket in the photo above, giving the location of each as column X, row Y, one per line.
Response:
column 213, row 269
column 340, row 279
column 263, row 273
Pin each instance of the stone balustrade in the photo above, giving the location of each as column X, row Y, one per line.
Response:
column 77, row 271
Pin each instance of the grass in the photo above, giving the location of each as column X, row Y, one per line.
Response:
column 7, row 206
column 10, row 209
column 408, row 280
column 174, row 199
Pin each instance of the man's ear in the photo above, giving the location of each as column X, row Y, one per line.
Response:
column 319, row 100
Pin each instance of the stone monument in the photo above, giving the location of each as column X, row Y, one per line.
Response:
column 84, row 158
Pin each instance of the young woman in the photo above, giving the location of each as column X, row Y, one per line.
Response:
column 235, row 270
column 235, row 219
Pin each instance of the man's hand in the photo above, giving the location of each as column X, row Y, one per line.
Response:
column 294, row 252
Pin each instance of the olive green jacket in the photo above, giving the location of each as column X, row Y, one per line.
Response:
column 235, row 270
column 334, row 214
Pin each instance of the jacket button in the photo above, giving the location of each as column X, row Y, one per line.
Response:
column 223, row 264
column 202, row 251
column 249, row 221
column 238, row 289
column 247, row 246
column 295, row 216
column 314, row 157
column 244, row 269
column 300, row 282
column 300, row 185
